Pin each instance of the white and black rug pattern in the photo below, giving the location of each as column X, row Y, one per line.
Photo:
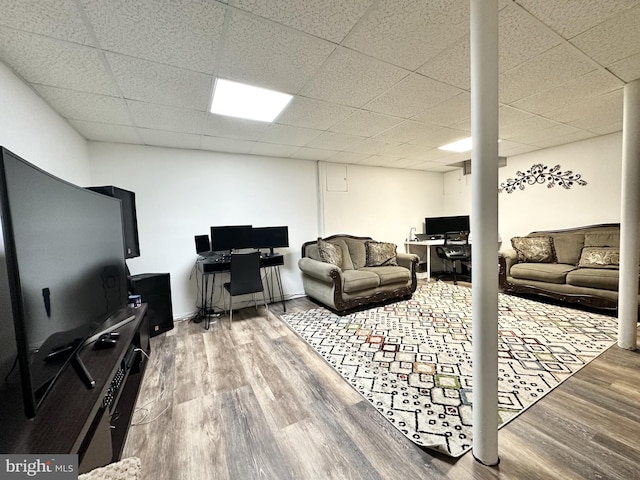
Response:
column 412, row 359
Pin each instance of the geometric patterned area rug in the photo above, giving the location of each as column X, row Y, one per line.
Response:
column 412, row 359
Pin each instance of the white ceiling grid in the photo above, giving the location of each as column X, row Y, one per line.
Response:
column 375, row 82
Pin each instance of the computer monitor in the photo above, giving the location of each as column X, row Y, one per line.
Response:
column 438, row 226
column 231, row 237
column 270, row 237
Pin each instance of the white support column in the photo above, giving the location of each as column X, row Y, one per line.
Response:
column 629, row 218
column 484, row 227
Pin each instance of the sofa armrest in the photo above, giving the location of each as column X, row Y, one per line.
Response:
column 320, row 270
column 407, row 260
column 510, row 257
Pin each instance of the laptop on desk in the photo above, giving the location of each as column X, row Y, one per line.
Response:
column 421, row 237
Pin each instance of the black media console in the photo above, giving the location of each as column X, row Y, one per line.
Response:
column 90, row 422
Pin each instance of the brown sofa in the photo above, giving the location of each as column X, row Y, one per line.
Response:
column 347, row 273
column 577, row 265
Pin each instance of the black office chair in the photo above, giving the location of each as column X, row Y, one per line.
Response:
column 245, row 278
column 456, row 249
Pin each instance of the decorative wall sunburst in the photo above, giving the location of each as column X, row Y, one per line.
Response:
column 540, row 174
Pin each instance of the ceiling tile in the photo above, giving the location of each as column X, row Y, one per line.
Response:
column 521, row 37
column 348, row 78
column 312, row 113
column 333, row 141
column 593, row 113
column 571, row 17
column 442, row 137
column 306, row 153
column 408, row 131
column 549, row 69
column 508, row 148
column 263, row 53
column 448, row 112
column 398, row 32
column 219, row 126
column 365, row 124
column 527, row 126
column 372, row 146
column 155, row 83
column 592, row 84
column 329, row 19
column 508, row 116
column 161, row 117
column 347, row 157
column 162, row 138
column 546, row 141
column 104, row 132
column 182, row 33
column 628, row 69
column 451, row 66
column 59, row 19
column 613, row 40
column 288, row 135
column 379, row 160
column 73, row 104
column 46, row 61
column 607, row 129
column 273, row 150
column 231, row 145
column 412, row 95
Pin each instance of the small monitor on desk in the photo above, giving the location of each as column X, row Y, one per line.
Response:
column 231, row 237
column 270, row 237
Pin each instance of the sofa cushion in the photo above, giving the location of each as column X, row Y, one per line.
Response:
column 567, row 247
column 347, row 264
column 600, row 257
column 330, row 253
column 379, row 254
column 390, row 274
column 602, row 239
column 357, row 251
column 356, row 280
column 542, row 272
column 537, row 249
column 593, row 278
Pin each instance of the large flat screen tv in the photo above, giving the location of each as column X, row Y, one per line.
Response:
column 65, row 264
column 270, row 237
column 231, row 237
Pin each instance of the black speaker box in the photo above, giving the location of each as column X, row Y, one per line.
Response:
column 202, row 243
column 155, row 290
column 129, row 216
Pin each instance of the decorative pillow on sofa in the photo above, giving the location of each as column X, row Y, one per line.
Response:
column 379, row 254
column 330, row 253
column 534, row 249
column 600, row 257
column 568, row 247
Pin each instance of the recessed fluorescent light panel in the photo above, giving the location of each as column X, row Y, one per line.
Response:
column 240, row 100
column 463, row 145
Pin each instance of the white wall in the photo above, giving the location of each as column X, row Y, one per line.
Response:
column 382, row 203
column 181, row 193
column 597, row 160
column 32, row 130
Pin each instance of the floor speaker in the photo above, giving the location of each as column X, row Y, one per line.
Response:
column 155, row 290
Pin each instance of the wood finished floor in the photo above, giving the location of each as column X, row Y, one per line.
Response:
column 257, row 402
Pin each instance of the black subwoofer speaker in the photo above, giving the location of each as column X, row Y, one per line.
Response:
column 155, row 290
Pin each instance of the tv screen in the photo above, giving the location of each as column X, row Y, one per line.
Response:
column 231, row 237
column 270, row 237
column 438, row 226
column 65, row 263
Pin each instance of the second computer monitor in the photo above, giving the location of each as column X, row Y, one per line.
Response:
column 231, row 237
column 270, row 237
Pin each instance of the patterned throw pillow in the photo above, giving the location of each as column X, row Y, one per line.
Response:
column 330, row 253
column 600, row 257
column 379, row 254
column 534, row 249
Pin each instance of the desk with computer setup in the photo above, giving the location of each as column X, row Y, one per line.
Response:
column 214, row 257
column 434, row 231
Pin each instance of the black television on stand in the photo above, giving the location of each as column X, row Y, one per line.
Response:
column 270, row 237
column 66, row 275
column 225, row 239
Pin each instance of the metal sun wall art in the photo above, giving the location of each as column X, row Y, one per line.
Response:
column 539, row 174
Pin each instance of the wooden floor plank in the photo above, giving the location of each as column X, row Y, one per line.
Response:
column 255, row 401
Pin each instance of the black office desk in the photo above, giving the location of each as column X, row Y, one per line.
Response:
column 209, row 266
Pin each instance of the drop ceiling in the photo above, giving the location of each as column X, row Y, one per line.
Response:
column 375, row 82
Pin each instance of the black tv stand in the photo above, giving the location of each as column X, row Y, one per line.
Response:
column 90, row 422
